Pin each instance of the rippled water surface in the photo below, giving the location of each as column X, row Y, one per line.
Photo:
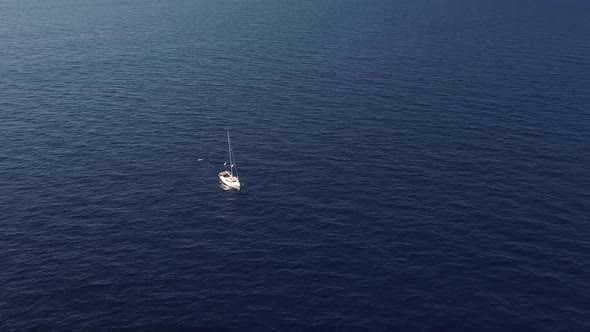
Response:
column 406, row 165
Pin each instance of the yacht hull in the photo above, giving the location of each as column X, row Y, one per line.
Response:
column 231, row 181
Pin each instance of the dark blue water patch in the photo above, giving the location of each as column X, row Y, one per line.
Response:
column 405, row 165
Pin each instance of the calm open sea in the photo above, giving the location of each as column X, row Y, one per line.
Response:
column 406, row 165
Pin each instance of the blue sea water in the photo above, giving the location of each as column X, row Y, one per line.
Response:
column 406, row 165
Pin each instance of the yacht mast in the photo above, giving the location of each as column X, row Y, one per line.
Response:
column 231, row 162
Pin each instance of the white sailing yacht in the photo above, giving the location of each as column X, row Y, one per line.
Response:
column 230, row 178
